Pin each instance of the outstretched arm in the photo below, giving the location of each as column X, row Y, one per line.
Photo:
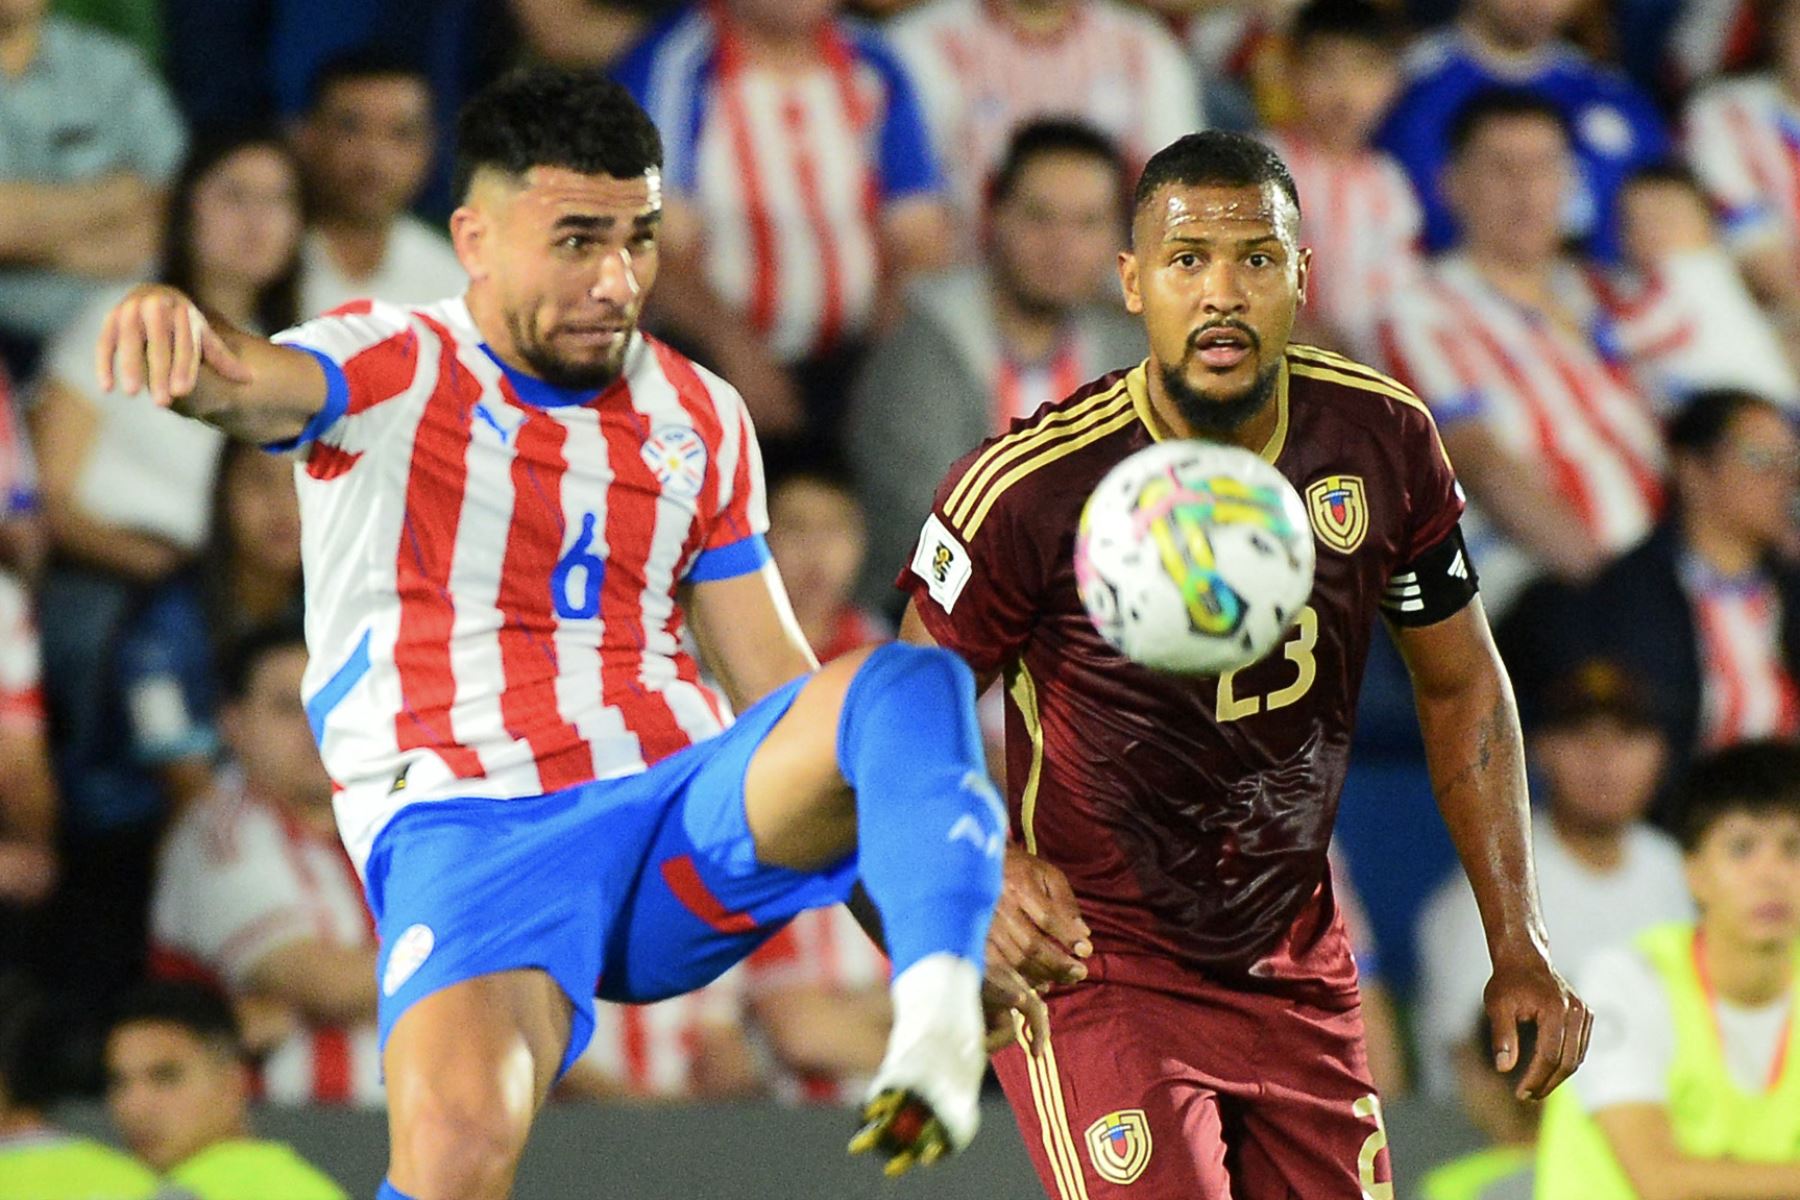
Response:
column 1477, row 760
column 160, row 341
column 747, row 633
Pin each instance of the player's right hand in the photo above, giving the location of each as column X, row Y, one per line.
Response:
column 156, row 339
column 1037, row 928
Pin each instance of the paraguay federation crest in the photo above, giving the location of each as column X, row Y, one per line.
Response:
column 1340, row 513
column 676, row 455
column 1119, row 1145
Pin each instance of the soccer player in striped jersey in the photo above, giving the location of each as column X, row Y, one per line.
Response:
column 1168, row 873
column 511, row 503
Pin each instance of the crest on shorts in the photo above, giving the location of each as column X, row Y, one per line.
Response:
column 676, row 456
column 1340, row 514
column 1119, row 1144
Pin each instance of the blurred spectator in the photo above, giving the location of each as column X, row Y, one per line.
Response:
column 1710, row 606
column 980, row 347
column 249, row 575
column 1358, row 213
column 1503, row 1170
column 254, row 889
column 28, row 799
column 1690, row 1088
column 818, row 538
column 584, row 33
column 689, row 1047
column 1743, row 137
column 127, row 486
column 1686, row 321
column 138, row 22
column 178, row 1090
column 817, row 996
column 37, row 1160
column 985, row 67
column 1614, row 128
column 1509, row 343
column 801, row 195
column 366, row 142
column 1602, row 873
column 1381, row 1023
column 90, row 139
column 22, row 538
column 1669, row 46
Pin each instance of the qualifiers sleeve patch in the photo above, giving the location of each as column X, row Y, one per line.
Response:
column 942, row 562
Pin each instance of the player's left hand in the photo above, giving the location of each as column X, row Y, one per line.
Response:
column 1526, row 989
column 1004, row 993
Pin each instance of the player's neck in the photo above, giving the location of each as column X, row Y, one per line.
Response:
column 1600, row 850
column 1028, row 333
column 356, row 248
column 1747, row 974
column 1721, row 549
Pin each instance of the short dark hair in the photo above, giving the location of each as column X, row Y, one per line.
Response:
column 364, row 62
column 1701, row 425
column 190, row 1005
column 1758, row 779
column 1666, row 171
column 1502, row 104
column 1214, row 156
column 1037, row 139
column 27, row 1041
column 243, row 655
column 1351, row 20
column 552, row 117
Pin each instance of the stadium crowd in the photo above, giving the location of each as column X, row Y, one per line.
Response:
column 1572, row 228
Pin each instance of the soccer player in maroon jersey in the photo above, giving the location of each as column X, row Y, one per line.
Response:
column 1200, row 1036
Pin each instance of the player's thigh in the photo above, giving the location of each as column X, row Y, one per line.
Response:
column 1315, row 1130
column 801, row 814
column 1107, row 1109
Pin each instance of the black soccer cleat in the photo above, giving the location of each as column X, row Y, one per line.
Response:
column 901, row 1126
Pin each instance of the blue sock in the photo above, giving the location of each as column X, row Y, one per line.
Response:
column 930, row 829
column 390, row 1192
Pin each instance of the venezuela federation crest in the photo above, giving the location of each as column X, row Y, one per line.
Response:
column 1119, row 1145
column 1340, row 514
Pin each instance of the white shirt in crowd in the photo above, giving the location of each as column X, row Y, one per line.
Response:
column 979, row 77
column 1633, row 1043
column 238, row 880
column 148, row 470
column 1584, row 911
column 1743, row 139
column 822, row 948
column 418, row 268
column 652, row 1051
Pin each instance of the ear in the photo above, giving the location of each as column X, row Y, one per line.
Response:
column 471, row 229
column 1303, row 272
column 1128, row 283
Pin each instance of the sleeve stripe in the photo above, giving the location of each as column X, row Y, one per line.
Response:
column 1102, row 427
column 730, row 560
column 1026, row 442
column 337, row 403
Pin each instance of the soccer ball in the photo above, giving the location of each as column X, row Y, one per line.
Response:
column 1194, row 558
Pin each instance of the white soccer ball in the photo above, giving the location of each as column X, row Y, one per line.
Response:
column 1194, row 558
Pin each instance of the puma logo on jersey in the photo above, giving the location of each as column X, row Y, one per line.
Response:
column 486, row 416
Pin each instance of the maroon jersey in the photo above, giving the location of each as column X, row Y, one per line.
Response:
column 1191, row 815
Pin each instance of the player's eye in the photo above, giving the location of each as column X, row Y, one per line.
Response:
column 1259, row 260
column 574, row 243
column 1187, row 261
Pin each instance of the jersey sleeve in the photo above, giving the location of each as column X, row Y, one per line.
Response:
column 976, row 572
column 1633, row 1041
column 370, row 355
column 1436, row 578
column 736, row 540
column 227, row 896
column 1715, row 149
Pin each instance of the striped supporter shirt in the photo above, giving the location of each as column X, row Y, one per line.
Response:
column 1743, row 139
column 788, row 174
column 1746, row 691
column 491, row 561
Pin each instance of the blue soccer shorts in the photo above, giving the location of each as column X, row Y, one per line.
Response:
column 632, row 889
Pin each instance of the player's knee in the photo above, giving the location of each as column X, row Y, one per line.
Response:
column 913, row 675
column 459, row 1144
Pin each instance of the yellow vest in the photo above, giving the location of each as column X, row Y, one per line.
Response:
column 1711, row 1117
column 1470, row 1177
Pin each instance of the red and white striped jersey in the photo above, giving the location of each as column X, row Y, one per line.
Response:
column 821, row 948
column 239, row 879
column 788, row 172
column 1743, row 139
column 652, row 1051
column 1745, row 690
column 491, row 561
column 1363, row 224
column 1555, row 395
column 980, row 77
column 21, row 665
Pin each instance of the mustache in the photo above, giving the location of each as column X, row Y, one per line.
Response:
column 1232, row 323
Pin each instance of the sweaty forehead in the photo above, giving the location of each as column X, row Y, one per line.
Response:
column 1216, row 212
column 554, row 192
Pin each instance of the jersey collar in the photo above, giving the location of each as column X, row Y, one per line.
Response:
column 1138, row 385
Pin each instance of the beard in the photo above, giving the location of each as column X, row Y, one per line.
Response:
column 554, row 368
column 1214, row 416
